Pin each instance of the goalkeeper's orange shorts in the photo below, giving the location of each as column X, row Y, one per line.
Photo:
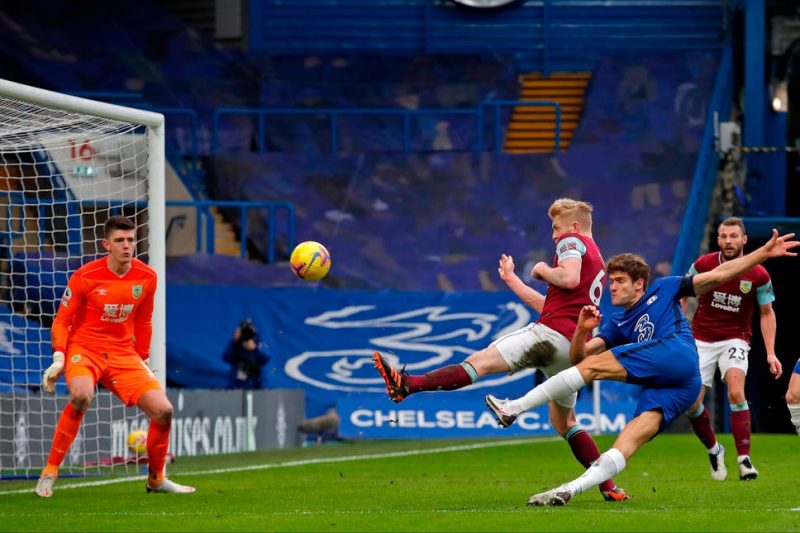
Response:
column 123, row 373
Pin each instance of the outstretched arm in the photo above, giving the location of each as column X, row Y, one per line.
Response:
column 531, row 297
column 769, row 326
column 588, row 319
column 777, row 246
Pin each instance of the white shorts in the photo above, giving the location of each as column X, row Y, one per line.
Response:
column 727, row 354
column 537, row 346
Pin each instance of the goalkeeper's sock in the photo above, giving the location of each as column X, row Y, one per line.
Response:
column 609, row 465
column 68, row 425
column 585, row 450
column 559, row 386
column 449, row 377
column 157, row 446
column 701, row 424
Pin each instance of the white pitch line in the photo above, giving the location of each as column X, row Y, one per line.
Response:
column 301, row 462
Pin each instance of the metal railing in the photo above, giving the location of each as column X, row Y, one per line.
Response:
column 206, row 232
column 15, row 203
column 407, row 115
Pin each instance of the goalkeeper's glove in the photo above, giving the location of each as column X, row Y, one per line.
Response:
column 53, row 372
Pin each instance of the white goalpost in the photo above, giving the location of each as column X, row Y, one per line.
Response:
column 66, row 165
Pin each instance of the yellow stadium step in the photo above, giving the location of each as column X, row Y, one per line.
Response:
column 225, row 240
column 557, row 76
column 566, row 97
column 522, row 125
column 573, row 110
column 532, row 128
column 523, row 117
column 547, row 83
column 537, row 134
column 521, row 147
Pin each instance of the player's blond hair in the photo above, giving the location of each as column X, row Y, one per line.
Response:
column 574, row 209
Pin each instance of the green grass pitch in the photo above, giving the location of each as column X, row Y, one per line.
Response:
column 475, row 485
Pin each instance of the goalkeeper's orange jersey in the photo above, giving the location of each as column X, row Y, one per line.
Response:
column 105, row 312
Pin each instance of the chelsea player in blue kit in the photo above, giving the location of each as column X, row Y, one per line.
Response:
column 650, row 344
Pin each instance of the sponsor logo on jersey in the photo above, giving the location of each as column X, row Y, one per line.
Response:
column 745, row 286
column 136, row 290
column 725, row 301
column 102, row 292
column 75, row 358
column 67, row 293
column 652, row 299
column 568, row 246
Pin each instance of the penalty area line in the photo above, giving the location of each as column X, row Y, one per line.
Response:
column 302, row 462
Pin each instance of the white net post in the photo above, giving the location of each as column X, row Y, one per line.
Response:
column 66, row 165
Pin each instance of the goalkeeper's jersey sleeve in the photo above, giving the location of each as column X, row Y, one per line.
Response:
column 105, row 312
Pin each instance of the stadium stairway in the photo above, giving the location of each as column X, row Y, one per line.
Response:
column 532, row 129
column 225, row 240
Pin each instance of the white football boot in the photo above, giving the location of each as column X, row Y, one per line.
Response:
column 556, row 497
column 746, row 469
column 44, row 487
column 718, row 470
column 171, row 487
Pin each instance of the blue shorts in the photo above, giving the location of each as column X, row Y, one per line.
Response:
column 668, row 371
column 797, row 367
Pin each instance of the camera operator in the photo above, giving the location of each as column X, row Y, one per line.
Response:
column 245, row 358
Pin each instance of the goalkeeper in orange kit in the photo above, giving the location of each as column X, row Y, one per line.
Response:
column 102, row 333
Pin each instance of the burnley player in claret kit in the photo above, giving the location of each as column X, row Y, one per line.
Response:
column 575, row 278
column 722, row 330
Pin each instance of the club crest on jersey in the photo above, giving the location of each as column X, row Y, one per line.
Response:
column 136, row 290
column 745, row 286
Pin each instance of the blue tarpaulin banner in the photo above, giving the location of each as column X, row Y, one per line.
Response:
column 322, row 340
column 461, row 414
column 24, row 353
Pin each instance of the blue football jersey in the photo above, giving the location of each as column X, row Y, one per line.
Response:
column 656, row 315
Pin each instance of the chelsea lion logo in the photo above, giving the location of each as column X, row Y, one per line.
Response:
column 136, row 290
column 644, row 328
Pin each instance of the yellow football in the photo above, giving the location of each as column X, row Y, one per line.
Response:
column 137, row 442
column 310, row 261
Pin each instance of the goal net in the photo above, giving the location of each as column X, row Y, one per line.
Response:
column 66, row 165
